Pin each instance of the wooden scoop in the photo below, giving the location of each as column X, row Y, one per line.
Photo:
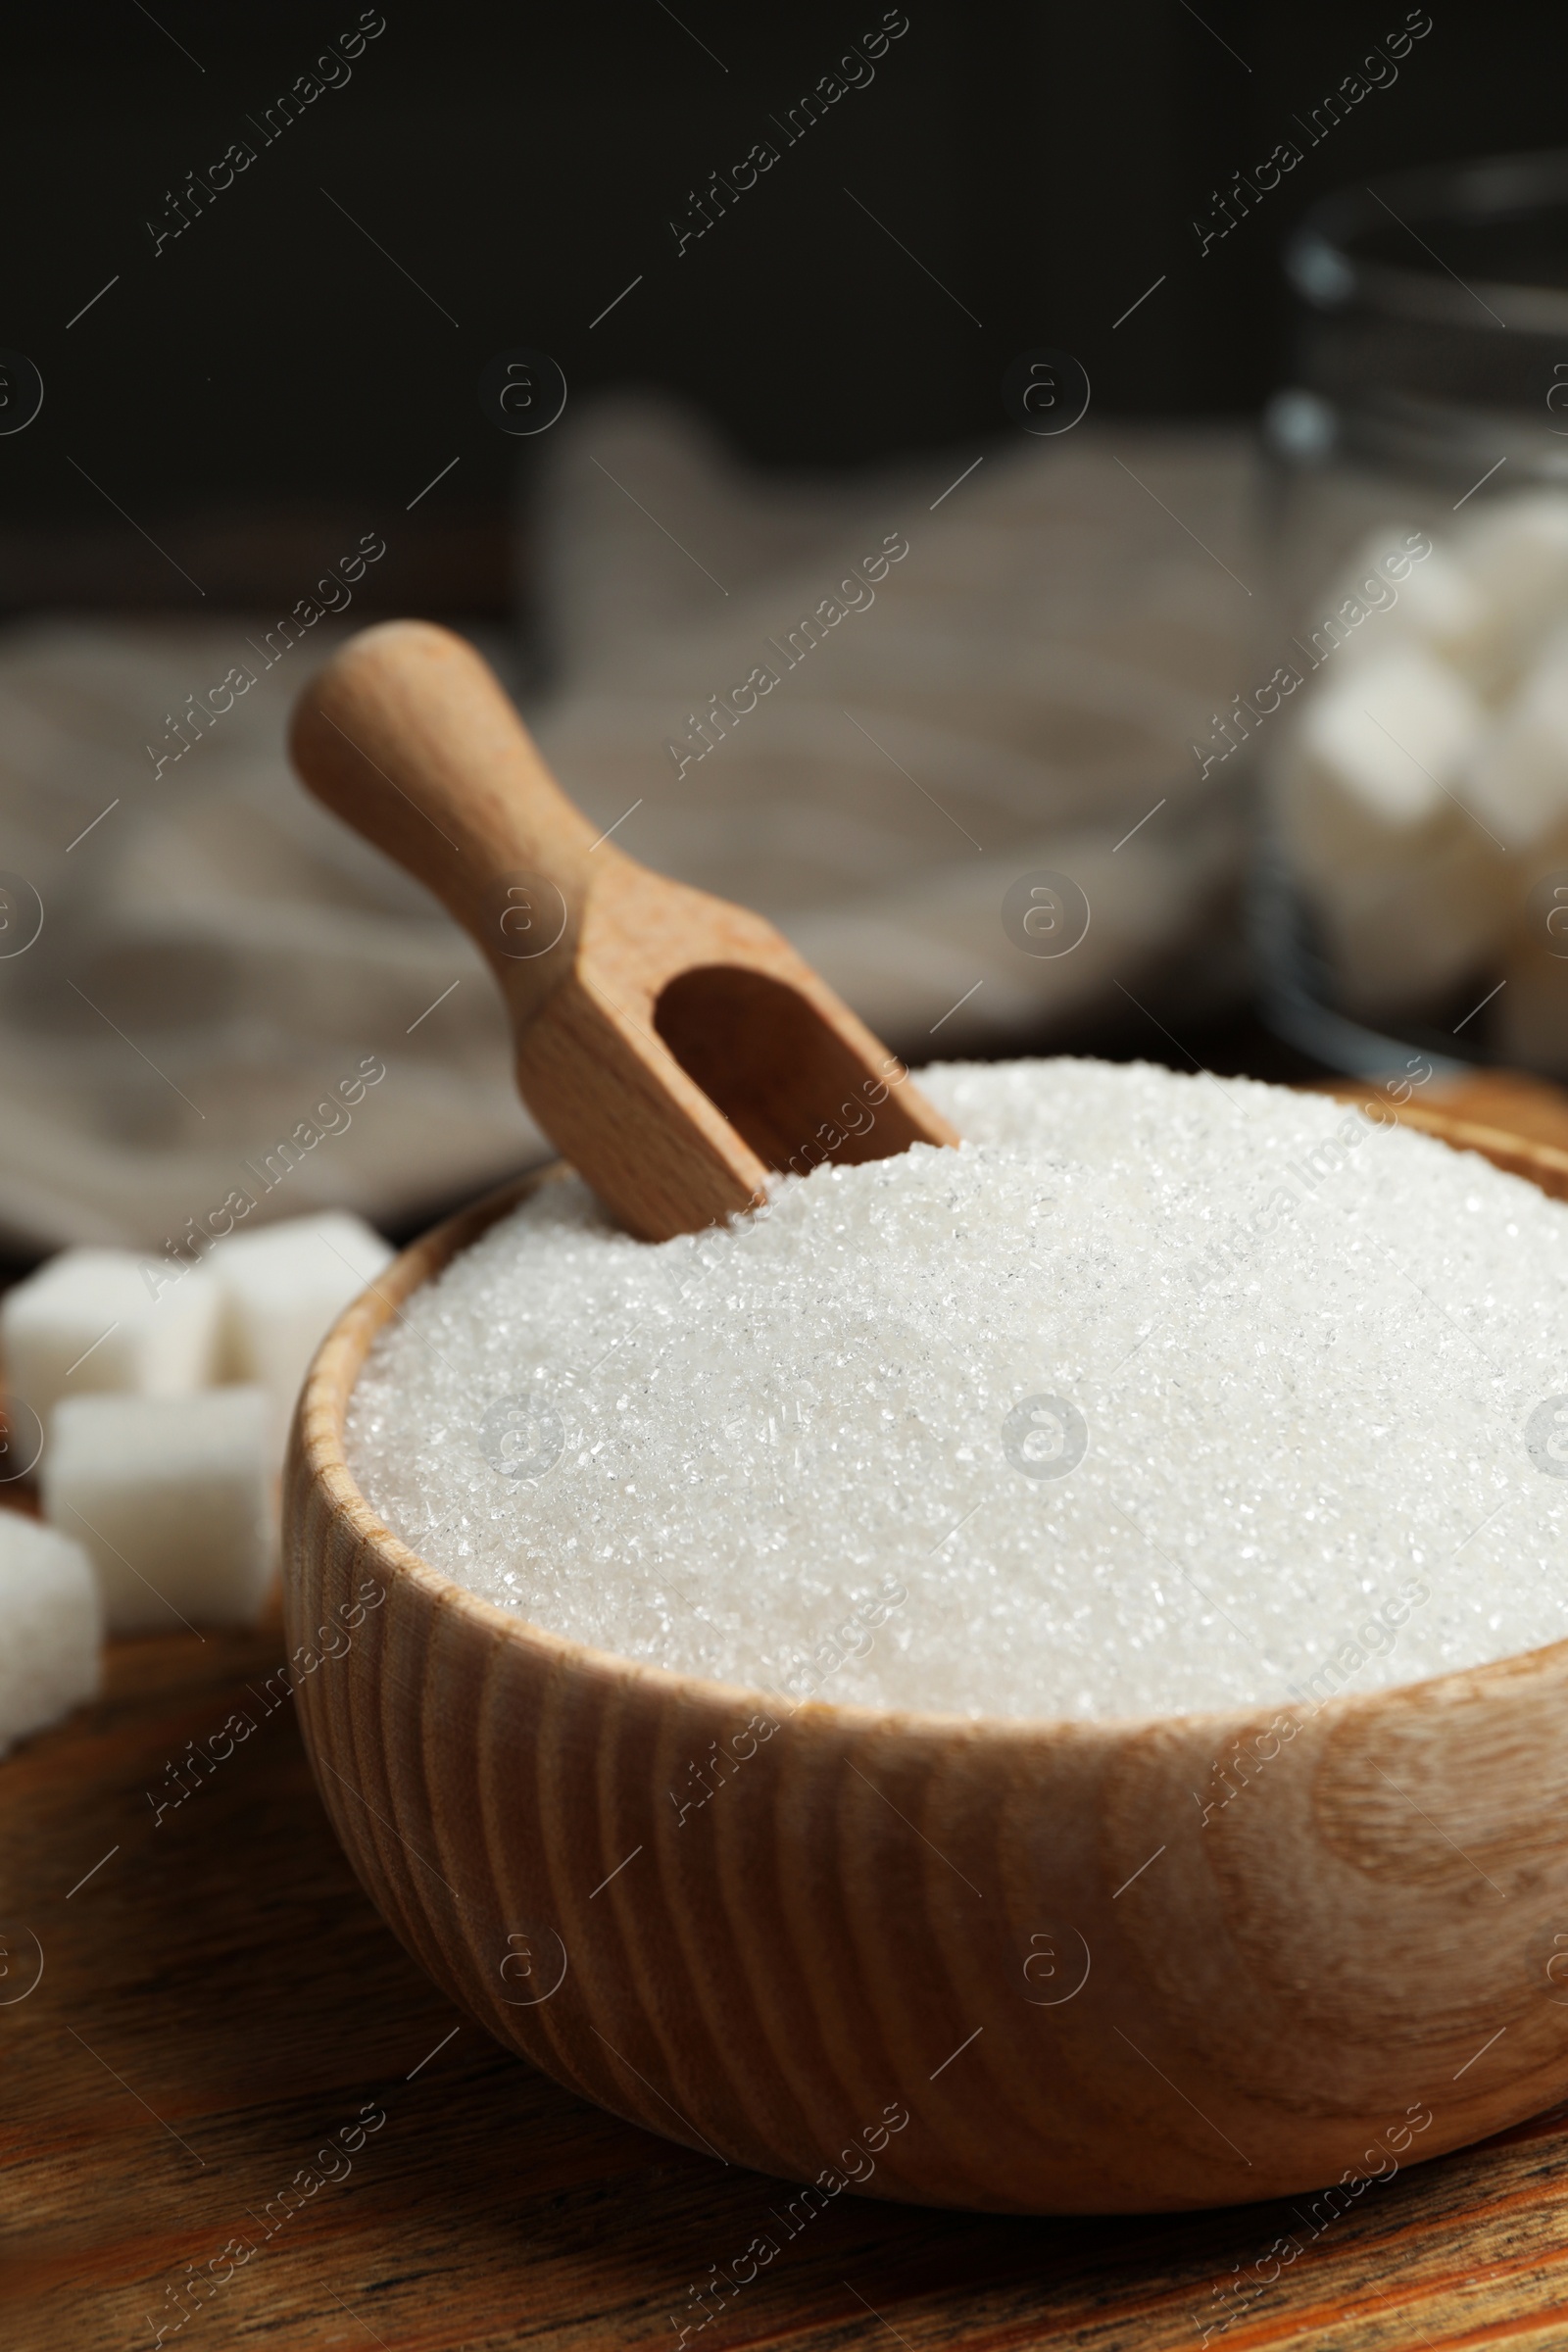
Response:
column 674, row 1048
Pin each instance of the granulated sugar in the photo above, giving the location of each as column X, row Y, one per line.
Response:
column 1161, row 1394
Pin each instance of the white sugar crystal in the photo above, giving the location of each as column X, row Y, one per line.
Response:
column 283, row 1287
column 1162, row 1393
column 170, row 1500
column 96, row 1319
column 51, row 1627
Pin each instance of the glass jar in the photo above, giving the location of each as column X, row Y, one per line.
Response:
column 1411, row 742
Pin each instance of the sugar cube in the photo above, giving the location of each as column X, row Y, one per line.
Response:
column 283, row 1288
column 1391, row 736
column 94, row 1319
column 170, row 1497
column 1363, row 792
column 1399, row 934
column 1517, row 782
column 1435, row 602
column 51, row 1627
column 1516, row 552
column 1438, row 601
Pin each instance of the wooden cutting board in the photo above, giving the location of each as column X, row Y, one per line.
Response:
column 228, row 2070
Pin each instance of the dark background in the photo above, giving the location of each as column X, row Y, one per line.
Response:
column 272, row 379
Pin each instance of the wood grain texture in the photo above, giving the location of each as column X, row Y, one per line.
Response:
column 1511, row 1102
column 1021, row 1935
column 673, row 1046
column 249, row 2002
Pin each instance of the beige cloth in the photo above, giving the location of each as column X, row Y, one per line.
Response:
column 218, row 960
column 1029, row 678
column 218, row 957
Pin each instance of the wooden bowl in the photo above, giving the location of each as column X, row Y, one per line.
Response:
column 1000, row 1964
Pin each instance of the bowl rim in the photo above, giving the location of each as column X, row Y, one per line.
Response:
column 317, row 1450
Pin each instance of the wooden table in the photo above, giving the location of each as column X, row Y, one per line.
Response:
column 220, row 2006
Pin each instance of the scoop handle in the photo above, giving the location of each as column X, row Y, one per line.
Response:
column 406, row 735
